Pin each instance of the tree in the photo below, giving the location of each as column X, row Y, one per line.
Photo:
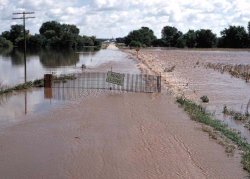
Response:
column 248, row 28
column 4, row 43
column 135, row 44
column 51, row 26
column 158, row 43
column 181, row 43
column 35, row 41
column 190, row 38
column 120, row 40
column 170, row 36
column 234, row 37
column 144, row 36
column 205, row 38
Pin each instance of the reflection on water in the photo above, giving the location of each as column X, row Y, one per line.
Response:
column 13, row 107
column 48, row 61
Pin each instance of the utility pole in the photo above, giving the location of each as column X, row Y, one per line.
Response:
column 24, row 36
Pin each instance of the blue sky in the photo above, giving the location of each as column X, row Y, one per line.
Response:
column 114, row 18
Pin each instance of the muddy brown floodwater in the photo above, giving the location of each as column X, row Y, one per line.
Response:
column 110, row 135
column 189, row 77
column 114, row 136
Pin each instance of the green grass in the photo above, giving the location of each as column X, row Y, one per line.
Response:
column 198, row 113
column 36, row 83
column 23, row 86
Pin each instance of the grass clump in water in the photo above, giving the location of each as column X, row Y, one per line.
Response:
column 235, row 115
column 198, row 113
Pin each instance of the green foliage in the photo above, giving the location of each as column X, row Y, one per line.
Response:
column 170, row 35
column 144, row 36
column 134, row 43
column 52, row 35
column 205, row 38
column 120, row 40
column 180, row 43
column 248, row 29
column 158, row 43
column 234, row 37
column 190, row 38
column 4, row 43
column 35, row 41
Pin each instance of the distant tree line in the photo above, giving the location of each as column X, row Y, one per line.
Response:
column 231, row 37
column 52, row 34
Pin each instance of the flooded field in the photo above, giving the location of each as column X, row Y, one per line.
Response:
column 185, row 73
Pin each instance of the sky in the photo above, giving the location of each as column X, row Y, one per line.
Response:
column 116, row 18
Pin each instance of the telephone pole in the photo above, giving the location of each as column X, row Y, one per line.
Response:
column 23, row 17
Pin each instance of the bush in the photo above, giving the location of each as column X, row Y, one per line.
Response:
column 4, row 43
column 135, row 44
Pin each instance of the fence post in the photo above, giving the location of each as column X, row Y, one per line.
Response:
column 159, row 84
column 47, row 80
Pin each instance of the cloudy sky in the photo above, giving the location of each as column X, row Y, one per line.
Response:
column 114, row 18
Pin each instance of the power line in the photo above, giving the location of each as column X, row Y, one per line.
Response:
column 24, row 17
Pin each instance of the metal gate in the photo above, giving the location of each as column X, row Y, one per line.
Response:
column 142, row 83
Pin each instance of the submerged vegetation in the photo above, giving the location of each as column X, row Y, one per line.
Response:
column 198, row 113
column 238, row 71
column 235, row 115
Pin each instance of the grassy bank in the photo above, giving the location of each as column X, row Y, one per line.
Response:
column 198, row 113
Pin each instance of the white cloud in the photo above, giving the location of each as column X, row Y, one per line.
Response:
column 107, row 18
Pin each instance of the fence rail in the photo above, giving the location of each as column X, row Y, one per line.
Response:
column 97, row 80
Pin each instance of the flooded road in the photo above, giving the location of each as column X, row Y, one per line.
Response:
column 14, row 106
column 190, row 78
column 114, row 136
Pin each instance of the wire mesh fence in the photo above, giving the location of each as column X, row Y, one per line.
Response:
column 97, row 80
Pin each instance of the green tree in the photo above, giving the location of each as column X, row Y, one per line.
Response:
column 4, row 43
column 170, row 36
column 52, row 26
column 181, row 42
column 190, row 38
column 134, row 43
column 144, row 36
column 205, row 38
column 234, row 37
column 158, row 43
column 15, row 35
column 248, row 28
column 35, row 41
